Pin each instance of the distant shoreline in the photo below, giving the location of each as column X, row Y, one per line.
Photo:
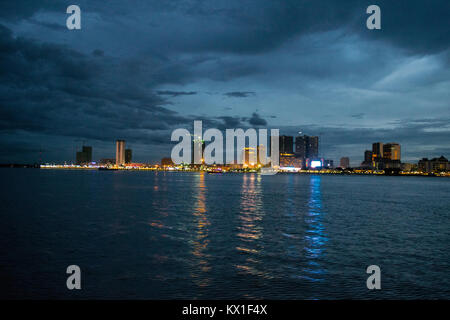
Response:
column 301, row 172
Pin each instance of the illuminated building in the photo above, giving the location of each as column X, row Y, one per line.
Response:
column 377, row 150
column 198, row 146
column 249, row 157
column 107, row 161
column 289, row 160
column 128, row 155
column 368, row 156
column 167, row 162
column 434, row 165
column 252, row 157
column 344, row 163
column 120, row 152
column 408, row 167
column 262, row 155
column 391, row 151
column 384, row 156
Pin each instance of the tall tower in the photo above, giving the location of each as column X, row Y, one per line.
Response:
column 128, row 155
column 87, row 150
column 377, row 150
column 120, row 152
column 307, row 147
column 392, row 151
column 313, row 147
column 300, row 146
column 286, row 144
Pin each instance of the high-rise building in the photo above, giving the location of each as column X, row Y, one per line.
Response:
column 392, row 151
column 249, row 157
column 344, row 163
column 120, row 152
column 377, row 150
column 198, row 146
column 313, row 147
column 368, row 162
column 300, row 146
column 88, row 153
column 85, row 155
column 128, row 155
column 307, row 147
column 286, row 145
column 81, row 158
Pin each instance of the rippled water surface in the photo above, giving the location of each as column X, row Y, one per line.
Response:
column 208, row 236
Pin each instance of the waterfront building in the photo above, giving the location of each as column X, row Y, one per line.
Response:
column 344, row 163
column 120, row 152
column 167, row 162
column 286, row 144
column 392, row 151
column 313, row 147
column 434, row 165
column 198, row 146
column 128, row 155
column 306, row 148
column 87, row 150
column 107, row 161
column 329, row 164
column 262, row 155
column 289, row 160
column 377, row 150
column 84, row 156
column 385, row 156
column 368, row 162
column 368, row 156
column 249, row 157
column 408, row 167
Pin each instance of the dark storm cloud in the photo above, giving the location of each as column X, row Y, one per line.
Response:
column 230, row 122
column 418, row 26
column 54, row 90
column 175, row 93
column 249, row 26
column 256, row 120
column 239, row 94
column 12, row 10
column 88, row 84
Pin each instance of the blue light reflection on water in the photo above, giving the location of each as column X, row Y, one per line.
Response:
column 315, row 237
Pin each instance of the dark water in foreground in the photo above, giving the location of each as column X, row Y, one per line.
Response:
column 198, row 236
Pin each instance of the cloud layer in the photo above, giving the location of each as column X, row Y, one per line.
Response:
column 138, row 70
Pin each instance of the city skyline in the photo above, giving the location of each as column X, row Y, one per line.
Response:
column 299, row 154
column 291, row 65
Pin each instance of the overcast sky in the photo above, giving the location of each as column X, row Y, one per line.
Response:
column 138, row 69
